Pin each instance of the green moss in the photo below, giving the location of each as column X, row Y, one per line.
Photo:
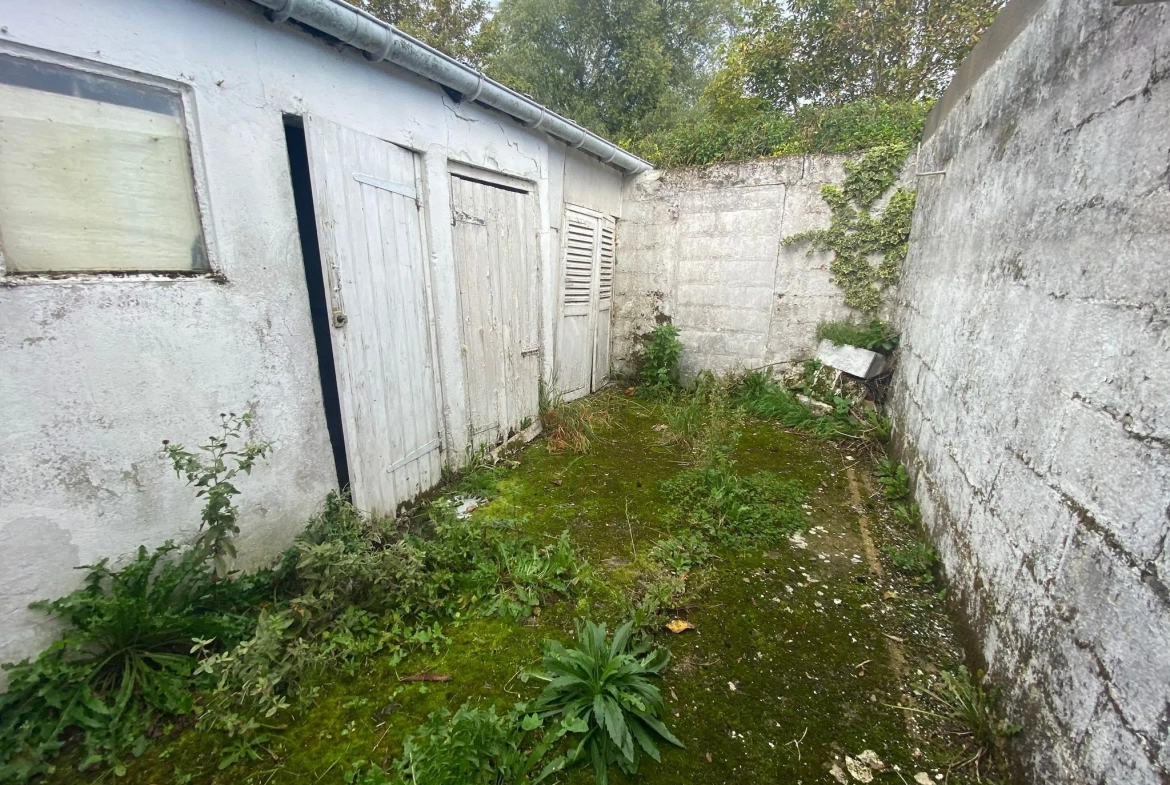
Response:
column 799, row 631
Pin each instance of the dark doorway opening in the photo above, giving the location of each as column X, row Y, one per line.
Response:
column 298, row 159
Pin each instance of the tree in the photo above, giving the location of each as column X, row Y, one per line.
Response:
column 790, row 53
column 451, row 26
column 620, row 67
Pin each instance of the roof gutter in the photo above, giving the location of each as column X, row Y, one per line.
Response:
column 380, row 41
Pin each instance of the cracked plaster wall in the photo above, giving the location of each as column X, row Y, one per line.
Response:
column 1032, row 399
column 701, row 247
column 95, row 374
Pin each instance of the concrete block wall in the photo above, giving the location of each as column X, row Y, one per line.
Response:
column 702, row 247
column 1032, row 400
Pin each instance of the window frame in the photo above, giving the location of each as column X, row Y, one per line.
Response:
column 198, row 174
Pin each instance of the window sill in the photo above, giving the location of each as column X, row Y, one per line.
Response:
column 34, row 279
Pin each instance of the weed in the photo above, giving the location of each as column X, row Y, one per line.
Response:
column 685, row 422
column 760, row 395
column 124, row 655
column 756, row 510
column 916, row 558
column 603, row 691
column 659, row 377
column 907, row 512
column 572, row 426
column 892, row 478
column 682, row 553
column 473, row 746
column 875, row 335
column 651, row 606
column 479, row 476
column 367, row 588
column 970, row 705
column 212, row 469
column 881, row 427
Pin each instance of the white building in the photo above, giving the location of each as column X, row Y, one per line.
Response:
column 218, row 205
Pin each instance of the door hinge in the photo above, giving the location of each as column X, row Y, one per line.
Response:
column 388, row 185
column 458, row 216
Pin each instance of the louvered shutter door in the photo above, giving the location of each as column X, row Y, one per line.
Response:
column 575, row 345
column 580, row 239
column 605, row 271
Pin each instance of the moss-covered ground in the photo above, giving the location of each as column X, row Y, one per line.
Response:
column 798, row 656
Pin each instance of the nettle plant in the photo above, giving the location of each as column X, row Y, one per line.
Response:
column 856, row 236
column 211, row 469
column 124, row 656
column 659, row 377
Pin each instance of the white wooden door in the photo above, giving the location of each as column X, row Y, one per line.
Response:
column 498, row 271
column 366, row 197
column 601, row 319
column 586, row 297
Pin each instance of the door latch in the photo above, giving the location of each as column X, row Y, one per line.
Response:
column 339, row 318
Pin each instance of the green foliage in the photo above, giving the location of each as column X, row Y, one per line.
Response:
column 660, row 355
column 916, row 558
column 971, row 705
column 881, row 429
column 790, row 53
column 875, row 335
column 761, row 133
column 124, row 654
column 756, row 510
column 735, row 510
column 681, row 553
column 685, row 422
column 619, row 67
column 212, row 469
column 893, row 479
column 653, row 602
column 367, row 588
column 603, row 691
column 854, row 236
column 473, row 746
column 760, row 395
column 139, row 640
column 451, row 26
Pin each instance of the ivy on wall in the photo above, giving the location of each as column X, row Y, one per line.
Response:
column 856, row 237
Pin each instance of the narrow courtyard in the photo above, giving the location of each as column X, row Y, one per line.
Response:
column 810, row 639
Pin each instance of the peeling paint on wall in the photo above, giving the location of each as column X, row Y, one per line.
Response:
column 95, row 371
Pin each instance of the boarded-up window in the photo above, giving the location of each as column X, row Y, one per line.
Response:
column 95, row 174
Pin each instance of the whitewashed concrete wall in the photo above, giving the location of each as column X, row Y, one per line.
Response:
column 702, row 247
column 93, row 375
column 1033, row 397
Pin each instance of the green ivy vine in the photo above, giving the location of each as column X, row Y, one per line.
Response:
column 855, row 236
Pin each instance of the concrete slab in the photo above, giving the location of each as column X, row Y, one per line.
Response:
column 861, row 363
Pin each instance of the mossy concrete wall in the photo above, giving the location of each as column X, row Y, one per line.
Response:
column 702, row 248
column 1032, row 400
